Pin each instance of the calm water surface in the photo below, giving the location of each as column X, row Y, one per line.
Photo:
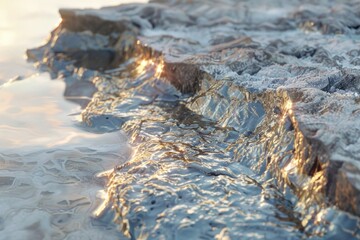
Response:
column 27, row 23
column 48, row 164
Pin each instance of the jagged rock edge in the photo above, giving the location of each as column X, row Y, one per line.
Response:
column 313, row 155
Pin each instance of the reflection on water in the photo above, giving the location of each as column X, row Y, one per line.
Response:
column 34, row 113
column 48, row 167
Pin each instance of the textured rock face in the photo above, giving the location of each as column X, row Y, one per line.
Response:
column 244, row 116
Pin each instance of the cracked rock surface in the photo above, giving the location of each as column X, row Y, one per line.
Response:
column 244, row 116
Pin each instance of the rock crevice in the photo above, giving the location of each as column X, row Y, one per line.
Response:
column 222, row 101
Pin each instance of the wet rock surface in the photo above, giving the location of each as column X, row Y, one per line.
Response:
column 243, row 116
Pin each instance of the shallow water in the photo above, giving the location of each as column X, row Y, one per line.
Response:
column 48, row 165
column 48, row 160
column 27, row 23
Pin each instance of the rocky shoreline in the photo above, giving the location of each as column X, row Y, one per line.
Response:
column 253, row 94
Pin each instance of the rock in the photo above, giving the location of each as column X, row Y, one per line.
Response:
column 272, row 112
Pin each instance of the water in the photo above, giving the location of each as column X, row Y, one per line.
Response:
column 48, row 160
column 48, row 166
column 25, row 24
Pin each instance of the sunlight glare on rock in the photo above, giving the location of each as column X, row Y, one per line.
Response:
column 153, row 66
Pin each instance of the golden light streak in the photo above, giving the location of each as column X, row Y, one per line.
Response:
column 288, row 110
column 288, row 107
column 100, row 210
column 142, row 66
column 154, row 66
column 159, row 69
